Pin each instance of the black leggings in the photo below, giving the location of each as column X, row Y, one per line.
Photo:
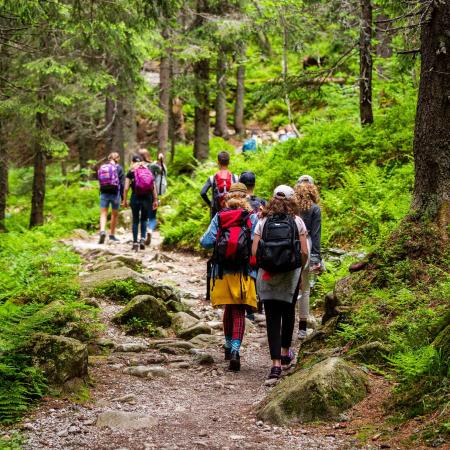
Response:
column 280, row 320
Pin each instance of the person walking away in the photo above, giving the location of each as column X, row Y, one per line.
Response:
column 111, row 179
column 220, row 184
column 251, row 144
column 143, row 197
column 307, row 199
column 230, row 234
column 159, row 171
column 280, row 250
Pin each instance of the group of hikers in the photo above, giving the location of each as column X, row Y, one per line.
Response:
column 264, row 253
column 254, row 141
column 147, row 180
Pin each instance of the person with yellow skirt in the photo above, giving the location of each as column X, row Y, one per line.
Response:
column 232, row 285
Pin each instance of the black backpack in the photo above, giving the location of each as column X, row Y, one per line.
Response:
column 279, row 246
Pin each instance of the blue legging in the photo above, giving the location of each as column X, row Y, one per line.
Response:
column 152, row 219
column 139, row 209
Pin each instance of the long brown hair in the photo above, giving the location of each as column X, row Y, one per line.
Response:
column 306, row 194
column 145, row 154
column 236, row 200
column 278, row 206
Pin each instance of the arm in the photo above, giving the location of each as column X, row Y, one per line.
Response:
column 316, row 229
column 209, row 238
column 204, row 192
column 121, row 180
column 155, row 197
column 125, row 194
column 256, row 240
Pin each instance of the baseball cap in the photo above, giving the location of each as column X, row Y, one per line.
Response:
column 283, row 191
column 238, row 187
column 248, row 178
column 306, row 179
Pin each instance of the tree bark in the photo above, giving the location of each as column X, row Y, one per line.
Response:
column 164, row 100
column 220, row 127
column 431, row 197
column 201, row 119
column 3, row 178
column 239, row 124
column 365, row 63
column 39, row 177
column 114, row 141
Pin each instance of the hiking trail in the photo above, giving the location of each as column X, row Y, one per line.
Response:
column 186, row 404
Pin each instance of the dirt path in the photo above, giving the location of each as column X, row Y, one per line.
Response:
column 189, row 405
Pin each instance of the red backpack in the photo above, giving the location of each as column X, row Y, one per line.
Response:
column 234, row 241
column 222, row 182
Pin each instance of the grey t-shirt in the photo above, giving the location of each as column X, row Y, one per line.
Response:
column 278, row 286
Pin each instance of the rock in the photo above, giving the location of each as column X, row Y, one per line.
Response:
column 189, row 303
column 128, row 261
column 146, row 308
column 60, row 358
column 108, row 265
column 125, row 218
column 91, row 302
column 321, row 392
column 371, row 353
column 182, row 321
column 343, row 290
column 130, row 347
column 215, row 324
column 204, row 359
column 81, row 234
column 125, row 420
column 183, row 345
column 195, row 330
column 146, row 371
column 102, row 278
column 311, row 323
column 104, row 342
column 180, row 365
column 205, row 340
column 129, row 398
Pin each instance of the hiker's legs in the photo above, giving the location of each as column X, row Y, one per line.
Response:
column 287, row 326
column 227, row 325
column 273, row 322
column 152, row 219
column 144, row 217
column 103, row 218
column 238, row 318
column 135, row 211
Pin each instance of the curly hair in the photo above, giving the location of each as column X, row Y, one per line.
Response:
column 236, row 200
column 278, row 206
column 306, row 194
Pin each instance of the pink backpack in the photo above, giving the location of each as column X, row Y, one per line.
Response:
column 143, row 181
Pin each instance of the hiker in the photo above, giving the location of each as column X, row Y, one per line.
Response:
column 159, row 171
column 111, row 179
column 249, row 179
column 280, row 250
column 252, row 143
column 307, row 199
column 220, row 184
column 143, row 197
column 230, row 233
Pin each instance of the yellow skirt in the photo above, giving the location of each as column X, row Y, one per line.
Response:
column 233, row 289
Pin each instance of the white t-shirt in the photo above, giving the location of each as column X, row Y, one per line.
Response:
column 261, row 222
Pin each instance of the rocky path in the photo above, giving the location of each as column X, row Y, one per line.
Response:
column 142, row 396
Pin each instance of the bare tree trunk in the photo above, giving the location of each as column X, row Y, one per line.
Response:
column 178, row 120
column 114, row 118
column 384, row 40
column 365, row 63
column 201, row 119
column 164, row 100
column 3, row 178
column 239, row 124
column 129, row 129
column 83, row 156
column 432, row 131
column 39, row 177
column 220, row 127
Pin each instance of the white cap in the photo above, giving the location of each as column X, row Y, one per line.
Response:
column 305, row 179
column 283, row 191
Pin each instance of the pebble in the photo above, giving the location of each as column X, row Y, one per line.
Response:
column 126, row 398
column 62, row 433
column 271, row 382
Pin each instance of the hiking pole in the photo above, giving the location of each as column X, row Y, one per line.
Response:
column 162, row 174
column 208, row 278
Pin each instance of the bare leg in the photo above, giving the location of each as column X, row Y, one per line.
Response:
column 103, row 218
column 114, row 216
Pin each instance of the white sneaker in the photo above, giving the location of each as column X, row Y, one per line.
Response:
column 302, row 334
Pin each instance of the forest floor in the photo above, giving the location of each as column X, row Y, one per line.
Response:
column 186, row 405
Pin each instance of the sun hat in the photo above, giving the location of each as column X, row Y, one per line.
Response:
column 248, row 178
column 238, row 187
column 282, row 191
column 305, row 179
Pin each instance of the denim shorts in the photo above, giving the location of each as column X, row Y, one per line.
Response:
column 109, row 199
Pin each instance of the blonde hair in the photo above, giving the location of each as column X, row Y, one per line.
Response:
column 236, row 200
column 306, row 194
column 114, row 156
column 145, row 155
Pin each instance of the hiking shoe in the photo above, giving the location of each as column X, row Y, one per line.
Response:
column 102, row 237
column 235, row 361
column 227, row 353
column 142, row 244
column 113, row 238
column 148, row 239
column 275, row 373
column 286, row 360
column 302, row 334
column 135, row 247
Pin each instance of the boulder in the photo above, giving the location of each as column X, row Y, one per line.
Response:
column 146, row 371
column 321, row 392
column 60, row 358
column 108, row 265
column 130, row 348
column 343, row 290
column 203, row 359
column 102, row 278
column 125, row 218
column 81, row 234
column 128, row 261
column 205, row 340
column 194, row 330
column 125, row 420
column 182, row 321
column 370, row 353
column 146, row 308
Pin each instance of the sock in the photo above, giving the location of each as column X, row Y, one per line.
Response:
column 227, row 342
column 235, row 345
column 302, row 324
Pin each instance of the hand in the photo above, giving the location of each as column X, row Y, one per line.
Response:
column 124, row 204
column 155, row 204
column 161, row 157
column 316, row 268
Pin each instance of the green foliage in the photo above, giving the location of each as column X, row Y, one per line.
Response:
column 120, row 291
column 140, row 326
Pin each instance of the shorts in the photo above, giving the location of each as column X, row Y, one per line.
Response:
column 109, row 199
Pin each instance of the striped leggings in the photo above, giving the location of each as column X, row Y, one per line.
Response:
column 234, row 321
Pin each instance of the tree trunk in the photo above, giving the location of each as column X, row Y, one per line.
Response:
column 220, row 127
column 129, row 129
column 3, row 178
column 83, row 156
column 40, row 162
column 384, row 40
column 432, row 131
column 114, row 141
column 201, row 119
column 164, row 100
column 365, row 63
column 239, row 124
